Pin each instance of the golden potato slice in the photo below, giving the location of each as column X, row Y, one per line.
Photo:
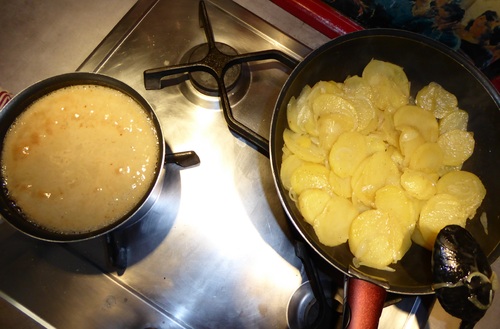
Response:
column 286, row 152
column 420, row 119
column 409, row 139
column 446, row 169
column 376, row 239
column 374, row 144
column 439, row 211
column 310, row 175
column 360, row 94
column 455, row 120
column 386, row 130
column 330, row 103
column 394, row 201
column 311, row 203
column 347, row 153
column 340, row 186
column 375, row 172
column 389, row 83
column 333, row 225
column 396, row 157
column 288, row 166
column 331, row 126
column 427, row 158
column 299, row 113
column 366, row 114
column 436, row 99
column 417, row 237
column 392, row 71
column 357, row 87
column 419, row 185
column 466, row 187
column 303, row 146
column 457, row 146
column 324, row 87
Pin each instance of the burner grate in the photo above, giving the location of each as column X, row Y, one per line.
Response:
column 217, row 64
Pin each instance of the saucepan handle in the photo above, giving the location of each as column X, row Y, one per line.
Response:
column 363, row 304
column 184, row 159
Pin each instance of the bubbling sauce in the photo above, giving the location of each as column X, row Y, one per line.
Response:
column 80, row 158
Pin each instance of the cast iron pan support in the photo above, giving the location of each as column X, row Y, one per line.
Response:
column 216, row 64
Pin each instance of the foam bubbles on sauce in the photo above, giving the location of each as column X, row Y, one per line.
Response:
column 80, row 158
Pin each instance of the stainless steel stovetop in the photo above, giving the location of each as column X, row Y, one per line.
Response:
column 216, row 250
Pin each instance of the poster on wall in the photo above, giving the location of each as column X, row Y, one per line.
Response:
column 469, row 26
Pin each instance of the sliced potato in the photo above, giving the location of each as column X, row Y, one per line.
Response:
column 333, row 225
column 347, row 153
column 387, row 130
column 286, row 153
column 324, row 87
column 439, row 211
column 360, row 94
column 396, row 157
column 418, row 238
column 302, row 145
column 363, row 149
column 394, row 201
column 420, row 119
column 375, row 242
column 288, row 166
column 427, row 158
column 358, row 87
column 312, row 202
column 409, row 139
column 340, row 186
column 457, row 146
column 419, row 185
column 437, row 100
column 310, row 175
column 455, row 120
column 466, row 187
column 375, row 172
column 389, row 83
column 299, row 113
column 331, row 103
column 374, row 144
column 331, row 126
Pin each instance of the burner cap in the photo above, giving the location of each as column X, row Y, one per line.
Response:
column 303, row 308
column 205, row 82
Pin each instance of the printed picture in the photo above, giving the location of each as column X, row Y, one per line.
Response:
column 470, row 26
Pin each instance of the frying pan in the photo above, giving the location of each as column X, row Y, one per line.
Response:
column 423, row 60
column 22, row 100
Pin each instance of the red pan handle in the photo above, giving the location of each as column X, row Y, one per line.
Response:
column 365, row 301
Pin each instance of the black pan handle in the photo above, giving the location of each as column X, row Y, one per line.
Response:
column 183, row 159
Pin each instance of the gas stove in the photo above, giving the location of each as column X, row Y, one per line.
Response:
column 216, row 250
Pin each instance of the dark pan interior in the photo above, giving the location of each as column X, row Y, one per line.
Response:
column 21, row 102
column 423, row 61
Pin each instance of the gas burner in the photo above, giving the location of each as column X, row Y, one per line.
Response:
column 218, row 64
column 202, row 89
column 303, row 310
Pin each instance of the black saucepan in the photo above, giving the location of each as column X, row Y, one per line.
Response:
column 423, row 60
column 22, row 100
